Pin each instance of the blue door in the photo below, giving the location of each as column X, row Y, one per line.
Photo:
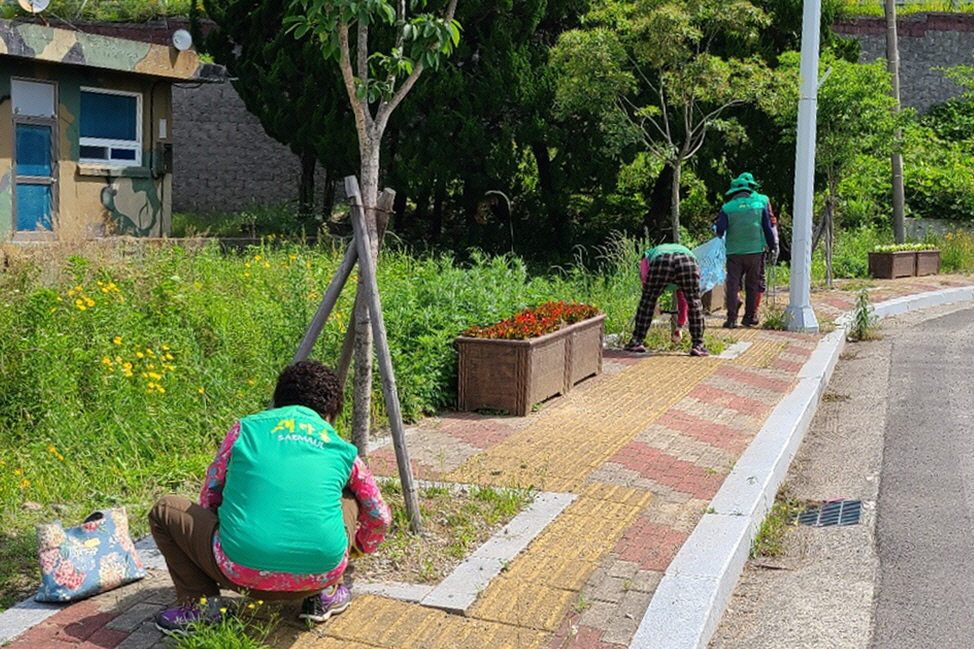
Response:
column 34, row 197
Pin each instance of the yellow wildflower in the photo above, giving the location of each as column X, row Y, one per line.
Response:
column 246, row 264
column 267, row 264
column 117, row 340
column 139, row 355
column 106, row 361
column 53, row 309
column 24, row 483
column 149, row 352
column 160, row 389
column 18, row 472
column 100, row 283
column 153, row 375
column 257, row 257
column 246, row 274
column 201, row 390
column 89, row 301
column 71, row 292
column 167, row 357
column 165, row 348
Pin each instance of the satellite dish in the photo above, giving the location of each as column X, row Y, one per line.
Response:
column 34, row 6
column 181, row 39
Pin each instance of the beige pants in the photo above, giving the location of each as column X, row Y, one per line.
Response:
column 183, row 531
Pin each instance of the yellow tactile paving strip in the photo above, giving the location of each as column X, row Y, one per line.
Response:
column 558, row 452
column 763, row 351
column 377, row 622
column 542, row 583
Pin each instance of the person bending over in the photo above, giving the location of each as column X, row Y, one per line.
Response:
column 670, row 263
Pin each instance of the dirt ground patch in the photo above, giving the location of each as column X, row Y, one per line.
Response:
column 456, row 521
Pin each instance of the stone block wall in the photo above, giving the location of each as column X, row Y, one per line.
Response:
column 223, row 161
column 926, row 41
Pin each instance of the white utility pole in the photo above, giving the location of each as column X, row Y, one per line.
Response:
column 799, row 314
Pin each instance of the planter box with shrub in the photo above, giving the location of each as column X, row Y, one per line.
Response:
column 516, row 372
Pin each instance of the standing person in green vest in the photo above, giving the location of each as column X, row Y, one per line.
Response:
column 284, row 505
column 771, row 256
column 746, row 221
column 670, row 263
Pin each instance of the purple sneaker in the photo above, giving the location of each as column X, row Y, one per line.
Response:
column 179, row 619
column 322, row 606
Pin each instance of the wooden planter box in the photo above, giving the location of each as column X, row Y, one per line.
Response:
column 889, row 265
column 928, row 262
column 713, row 300
column 514, row 375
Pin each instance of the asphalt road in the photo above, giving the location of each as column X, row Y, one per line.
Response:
column 896, row 430
column 925, row 527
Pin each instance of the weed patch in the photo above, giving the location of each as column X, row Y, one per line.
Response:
column 455, row 521
column 769, row 541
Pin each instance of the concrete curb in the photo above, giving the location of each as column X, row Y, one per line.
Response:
column 691, row 598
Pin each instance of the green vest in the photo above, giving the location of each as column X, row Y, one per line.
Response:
column 667, row 249
column 745, row 235
column 281, row 508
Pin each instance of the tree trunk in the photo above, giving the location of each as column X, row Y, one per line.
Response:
column 657, row 213
column 327, row 198
column 675, row 201
column 436, row 224
column 306, row 190
column 362, row 384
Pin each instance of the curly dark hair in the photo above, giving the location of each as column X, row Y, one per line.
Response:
column 310, row 384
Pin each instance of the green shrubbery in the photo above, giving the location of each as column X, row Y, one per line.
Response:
column 105, row 10
column 120, row 370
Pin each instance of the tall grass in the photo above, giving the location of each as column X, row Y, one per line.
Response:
column 121, row 368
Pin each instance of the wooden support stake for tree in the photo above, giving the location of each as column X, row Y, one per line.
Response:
column 327, row 304
column 389, row 390
column 386, row 200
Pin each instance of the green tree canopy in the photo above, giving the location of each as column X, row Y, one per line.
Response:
column 655, row 65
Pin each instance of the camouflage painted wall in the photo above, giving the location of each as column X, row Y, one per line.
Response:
column 94, row 200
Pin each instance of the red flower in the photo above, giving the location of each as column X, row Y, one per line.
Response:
column 531, row 323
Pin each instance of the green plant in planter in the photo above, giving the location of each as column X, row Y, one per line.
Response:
column 863, row 326
column 901, row 247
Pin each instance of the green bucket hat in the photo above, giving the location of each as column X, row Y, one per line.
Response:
column 738, row 185
column 749, row 179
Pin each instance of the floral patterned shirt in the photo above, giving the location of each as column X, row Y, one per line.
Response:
column 373, row 521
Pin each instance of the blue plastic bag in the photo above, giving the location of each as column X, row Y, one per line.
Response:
column 712, row 259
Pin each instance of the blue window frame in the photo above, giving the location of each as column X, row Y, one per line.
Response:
column 35, row 176
column 111, row 127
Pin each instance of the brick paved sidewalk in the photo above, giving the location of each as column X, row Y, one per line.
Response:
column 643, row 447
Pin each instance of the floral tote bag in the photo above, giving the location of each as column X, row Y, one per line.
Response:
column 88, row 559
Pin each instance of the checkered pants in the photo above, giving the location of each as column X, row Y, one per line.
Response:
column 675, row 268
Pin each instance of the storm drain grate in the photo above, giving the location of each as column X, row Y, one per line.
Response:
column 833, row 512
